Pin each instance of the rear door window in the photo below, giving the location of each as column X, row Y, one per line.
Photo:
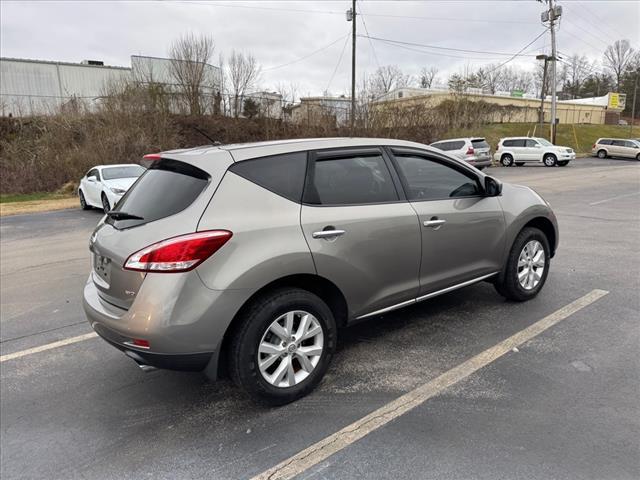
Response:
column 280, row 174
column 617, row 143
column 166, row 188
column 350, row 180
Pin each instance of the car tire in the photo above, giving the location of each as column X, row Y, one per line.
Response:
column 550, row 160
column 83, row 202
column 602, row 154
column 638, row 157
column 519, row 164
column 563, row 163
column 480, row 168
column 509, row 283
column 105, row 203
column 255, row 332
column 506, row 160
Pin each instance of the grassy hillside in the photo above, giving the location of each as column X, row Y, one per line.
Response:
column 579, row 137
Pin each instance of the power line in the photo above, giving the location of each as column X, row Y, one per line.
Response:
column 334, row 12
column 519, row 53
column 373, row 50
column 344, row 47
column 588, row 21
column 448, row 55
column 451, row 19
column 305, row 56
column 611, row 29
column 482, row 52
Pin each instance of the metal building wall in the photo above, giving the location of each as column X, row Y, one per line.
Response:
column 31, row 87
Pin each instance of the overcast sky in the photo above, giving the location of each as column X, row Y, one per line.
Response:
column 279, row 33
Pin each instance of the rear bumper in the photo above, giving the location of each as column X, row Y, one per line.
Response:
column 183, row 321
column 194, row 362
column 484, row 162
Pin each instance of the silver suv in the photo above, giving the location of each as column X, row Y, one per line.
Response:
column 475, row 151
column 246, row 259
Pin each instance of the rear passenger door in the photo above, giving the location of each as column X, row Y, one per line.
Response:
column 463, row 231
column 617, row 148
column 363, row 234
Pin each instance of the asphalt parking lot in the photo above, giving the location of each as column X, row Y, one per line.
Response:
column 564, row 404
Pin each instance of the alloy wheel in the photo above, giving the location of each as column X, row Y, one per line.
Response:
column 549, row 160
column 290, row 348
column 105, row 204
column 531, row 265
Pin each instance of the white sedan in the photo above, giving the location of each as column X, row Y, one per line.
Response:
column 104, row 185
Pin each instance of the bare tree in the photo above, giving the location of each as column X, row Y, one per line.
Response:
column 574, row 72
column 427, row 76
column 243, row 72
column 489, row 77
column 617, row 57
column 387, row 78
column 190, row 56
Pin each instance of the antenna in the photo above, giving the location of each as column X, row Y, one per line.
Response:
column 204, row 134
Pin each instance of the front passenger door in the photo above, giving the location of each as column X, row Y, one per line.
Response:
column 533, row 151
column 363, row 234
column 463, row 231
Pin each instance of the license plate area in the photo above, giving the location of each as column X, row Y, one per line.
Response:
column 102, row 268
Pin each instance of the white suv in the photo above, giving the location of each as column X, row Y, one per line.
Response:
column 520, row 150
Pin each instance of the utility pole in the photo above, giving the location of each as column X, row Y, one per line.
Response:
column 550, row 16
column 633, row 106
column 351, row 17
column 543, row 89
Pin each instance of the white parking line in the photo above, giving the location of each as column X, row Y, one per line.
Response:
column 614, row 198
column 323, row 449
column 48, row 346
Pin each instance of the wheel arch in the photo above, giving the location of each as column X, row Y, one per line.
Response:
column 545, row 226
column 316, row 284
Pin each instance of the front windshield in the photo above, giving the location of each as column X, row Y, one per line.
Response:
column 111, row 173
column 544, row 142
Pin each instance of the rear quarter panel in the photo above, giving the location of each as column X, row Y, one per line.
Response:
column 267, row 242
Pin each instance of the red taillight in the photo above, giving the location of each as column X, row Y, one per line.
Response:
column 594, row 145
column 178, row 254
column 470, row 151
column 138, row 342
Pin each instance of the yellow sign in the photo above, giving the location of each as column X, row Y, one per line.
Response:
column 617, row 101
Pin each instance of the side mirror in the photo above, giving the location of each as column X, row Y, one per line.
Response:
column 92, row 178
column 492, row 187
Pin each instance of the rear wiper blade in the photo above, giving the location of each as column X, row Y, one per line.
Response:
column 117, row 215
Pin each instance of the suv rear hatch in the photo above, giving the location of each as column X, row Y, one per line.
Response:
column 481, row 148
column 169, row 199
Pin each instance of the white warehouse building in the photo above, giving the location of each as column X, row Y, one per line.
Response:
column 37, row 87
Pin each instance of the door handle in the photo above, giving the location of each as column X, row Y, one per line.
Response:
column 328, row 233
column 434, row 223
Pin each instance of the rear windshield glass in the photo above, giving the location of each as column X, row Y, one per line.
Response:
column 111, row 173
column 479, row 143
column 166, row 188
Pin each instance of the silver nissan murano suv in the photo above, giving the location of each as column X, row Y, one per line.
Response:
column 247, row 259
